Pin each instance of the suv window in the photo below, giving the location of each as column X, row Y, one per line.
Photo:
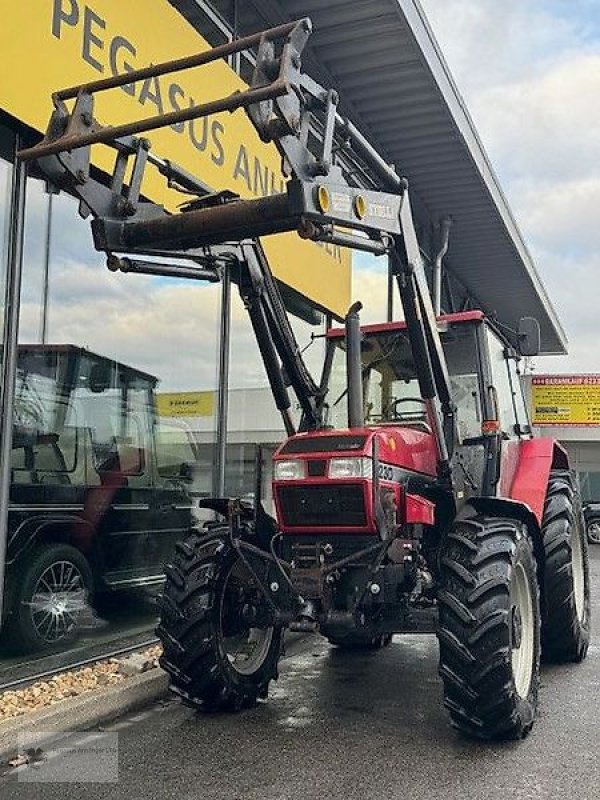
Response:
column 45, row 433
column 176, row 452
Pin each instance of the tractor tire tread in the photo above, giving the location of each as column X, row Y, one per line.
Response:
column 564, row 636
column 191, row 657
column 474, row 629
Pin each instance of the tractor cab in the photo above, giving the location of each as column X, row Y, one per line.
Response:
column 327, row 478
column 483, row 371
column 391, row 394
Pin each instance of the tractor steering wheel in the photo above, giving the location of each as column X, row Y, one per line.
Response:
column 409, row 416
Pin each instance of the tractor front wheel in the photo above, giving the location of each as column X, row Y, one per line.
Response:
column 220, row 647
column 489, row 629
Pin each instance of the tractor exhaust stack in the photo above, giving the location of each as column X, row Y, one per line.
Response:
column 354, row 367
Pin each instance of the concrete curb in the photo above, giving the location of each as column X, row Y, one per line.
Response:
column 100, row 705
column 87, row 710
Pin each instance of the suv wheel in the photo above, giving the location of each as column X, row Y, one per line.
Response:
column 52, row 596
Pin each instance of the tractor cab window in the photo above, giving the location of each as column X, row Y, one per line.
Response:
column 512, row 413
column 390, row 386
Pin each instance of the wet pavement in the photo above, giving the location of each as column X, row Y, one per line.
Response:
column 356, row 727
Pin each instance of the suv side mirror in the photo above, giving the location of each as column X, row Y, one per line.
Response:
column 528, row 336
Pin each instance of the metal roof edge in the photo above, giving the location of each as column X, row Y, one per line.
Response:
column 415, row 16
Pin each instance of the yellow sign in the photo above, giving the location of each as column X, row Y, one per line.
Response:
column 566, row 400
column 185, row 404
column 46, row 45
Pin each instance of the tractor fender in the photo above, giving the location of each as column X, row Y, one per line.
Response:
column 501, row 507
column 537, row 457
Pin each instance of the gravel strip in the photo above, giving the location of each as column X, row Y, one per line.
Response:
column 112, row 671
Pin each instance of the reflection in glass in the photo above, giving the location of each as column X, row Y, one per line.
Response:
column 6, row 147
column 87, row 487
column 253, row 419
column 101, row 485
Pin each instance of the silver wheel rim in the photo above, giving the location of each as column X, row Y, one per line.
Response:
column 57, row 601
column 593, row 532
column 522, row 631
column 578, row 568
column 245, row 651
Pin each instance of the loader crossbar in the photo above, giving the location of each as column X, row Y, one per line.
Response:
column 106, row 135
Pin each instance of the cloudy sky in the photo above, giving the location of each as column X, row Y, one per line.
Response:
column 529, row 71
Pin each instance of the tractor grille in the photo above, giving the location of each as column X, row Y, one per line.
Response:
column 322, row 506
column 323, row 444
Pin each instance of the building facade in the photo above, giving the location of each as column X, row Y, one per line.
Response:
column 100, row 470
column 567, row 408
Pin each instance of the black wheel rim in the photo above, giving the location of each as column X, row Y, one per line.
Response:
column 58, row 599
column 245, row 645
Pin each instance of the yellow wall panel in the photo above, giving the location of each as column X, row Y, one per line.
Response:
column 46, row 45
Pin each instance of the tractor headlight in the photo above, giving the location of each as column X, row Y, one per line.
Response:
column 288, row 470
column 350, row 468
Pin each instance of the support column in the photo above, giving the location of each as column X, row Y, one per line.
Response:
column 10, row 342
column 46, row 286
column 223, row 383
column 390, row 290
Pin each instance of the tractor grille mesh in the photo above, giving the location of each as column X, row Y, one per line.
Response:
column 322, row 506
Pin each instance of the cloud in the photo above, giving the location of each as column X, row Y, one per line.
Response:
column 544, row 126
column 168, row 330
column 487, row 43
column 370, row 287
column 530, row 74
column 561, row 217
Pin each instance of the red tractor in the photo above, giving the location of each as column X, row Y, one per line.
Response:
column 371, row 540
column 412, row 497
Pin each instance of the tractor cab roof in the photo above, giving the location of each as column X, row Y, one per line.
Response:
column 400, row 325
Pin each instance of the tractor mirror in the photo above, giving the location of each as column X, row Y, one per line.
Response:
column 528, row 335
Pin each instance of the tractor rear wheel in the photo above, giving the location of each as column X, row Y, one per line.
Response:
column 489, row 629
column 566, row 597
column 220, row 647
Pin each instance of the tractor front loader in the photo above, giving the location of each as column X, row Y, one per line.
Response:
column 413, row 496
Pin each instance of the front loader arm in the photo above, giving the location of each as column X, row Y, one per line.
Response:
column 340, row 191
column 277, row 343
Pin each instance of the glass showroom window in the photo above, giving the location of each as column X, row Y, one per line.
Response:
column 111, row 472
column 6, row 150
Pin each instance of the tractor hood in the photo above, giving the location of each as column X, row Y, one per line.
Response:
column 407, row 447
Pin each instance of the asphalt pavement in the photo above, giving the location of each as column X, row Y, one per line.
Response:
column 352, row 727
